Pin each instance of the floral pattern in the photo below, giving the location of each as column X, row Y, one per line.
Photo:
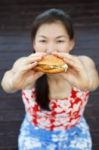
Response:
column 62, row 128
column 65, row 113
column 34, row 138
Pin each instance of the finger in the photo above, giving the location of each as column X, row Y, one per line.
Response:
column 29, row 66
column 35, row 57
column 71, row 60
column 30, row 60
column 38, row 74
column 64, row 56
column 38, row 54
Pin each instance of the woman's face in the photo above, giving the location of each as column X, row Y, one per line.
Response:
column 52, row 37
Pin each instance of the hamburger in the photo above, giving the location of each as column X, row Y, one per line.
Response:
column 52, row 64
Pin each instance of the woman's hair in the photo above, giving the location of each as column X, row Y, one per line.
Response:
column 49, row 16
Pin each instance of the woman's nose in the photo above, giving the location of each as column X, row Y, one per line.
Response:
column 50, row 48
column 49, row 51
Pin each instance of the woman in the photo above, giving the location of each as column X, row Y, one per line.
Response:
column 54, row 103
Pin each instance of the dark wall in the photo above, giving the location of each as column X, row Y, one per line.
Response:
column 16, row 17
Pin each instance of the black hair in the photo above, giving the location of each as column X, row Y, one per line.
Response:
column 49, row 16
column 42, row 92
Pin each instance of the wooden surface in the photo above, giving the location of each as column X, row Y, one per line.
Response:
column 16, row 17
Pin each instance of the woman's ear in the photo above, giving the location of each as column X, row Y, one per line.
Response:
column 72, row 45
column 33, row 44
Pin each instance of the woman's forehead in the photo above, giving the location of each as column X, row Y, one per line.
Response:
column 56, row 28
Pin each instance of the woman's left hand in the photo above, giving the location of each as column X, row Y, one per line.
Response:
column 76, row 73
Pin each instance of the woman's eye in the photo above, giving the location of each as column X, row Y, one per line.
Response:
column 42, row 41
column 60, row 41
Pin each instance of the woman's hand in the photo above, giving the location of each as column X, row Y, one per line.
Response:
column 79, row 73
column 23, row 73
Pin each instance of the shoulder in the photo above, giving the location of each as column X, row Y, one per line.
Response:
column 19, row 60
column 18, row 63
column 87, row 60
column 91, row 71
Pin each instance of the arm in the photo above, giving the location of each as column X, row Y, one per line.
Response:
column 22, row 74
column 90, row 68
column 7, row 83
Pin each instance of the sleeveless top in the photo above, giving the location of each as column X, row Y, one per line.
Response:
column 65, row 113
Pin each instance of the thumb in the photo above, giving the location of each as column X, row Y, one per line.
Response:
column 38, row 74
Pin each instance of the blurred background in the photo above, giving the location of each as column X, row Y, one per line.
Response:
column 16, row 17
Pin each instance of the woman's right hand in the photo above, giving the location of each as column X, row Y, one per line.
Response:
column 23, row 73
column 24, row 70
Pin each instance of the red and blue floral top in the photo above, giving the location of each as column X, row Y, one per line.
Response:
column 65, row 113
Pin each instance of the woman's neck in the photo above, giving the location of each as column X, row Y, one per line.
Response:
column 58, row 86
